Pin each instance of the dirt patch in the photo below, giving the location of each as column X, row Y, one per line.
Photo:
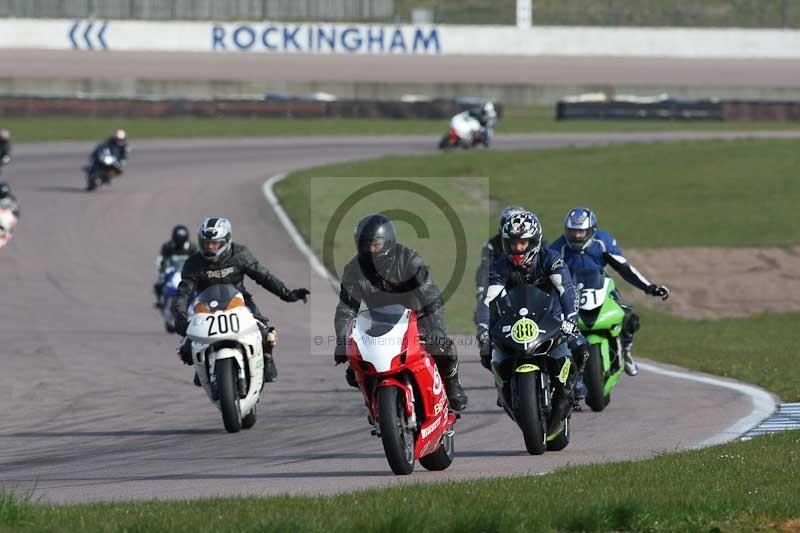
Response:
column 720, row 282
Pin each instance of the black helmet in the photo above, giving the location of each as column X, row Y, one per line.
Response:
column 374, row 228
column 180, row 237
column 523, row 226
column 5, row 190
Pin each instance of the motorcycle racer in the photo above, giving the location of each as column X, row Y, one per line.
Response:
column 584, row 246
column 220, row 260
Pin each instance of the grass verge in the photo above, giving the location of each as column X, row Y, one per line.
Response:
column 740, row 486
column 720, row 193
column 518, row 120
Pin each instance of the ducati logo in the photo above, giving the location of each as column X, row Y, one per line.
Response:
column 437, row 381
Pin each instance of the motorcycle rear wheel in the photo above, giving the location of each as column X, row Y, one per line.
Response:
column 530, row 413
column 398, row 439
column 593, row 379
column 443, row 456
column 228, row 395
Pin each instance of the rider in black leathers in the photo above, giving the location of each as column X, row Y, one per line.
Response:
column 221, row 260
column 385, row 272
column 178, row 247
column 117, row 144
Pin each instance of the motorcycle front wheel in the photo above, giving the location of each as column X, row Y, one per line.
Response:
column 228, row 395
column 397, row 437
column 530, row 413
column 593, row 379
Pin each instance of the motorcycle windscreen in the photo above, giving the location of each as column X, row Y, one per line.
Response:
column 526, row 319
column 379, row 334
column 589, row 278
column 218, row 298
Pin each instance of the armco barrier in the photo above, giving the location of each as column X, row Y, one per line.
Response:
column 732, row 110
column 30, row 106
column 621, row 110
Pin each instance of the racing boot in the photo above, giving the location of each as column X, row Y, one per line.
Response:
column 455, row 392
column 630, row 365
column 270, row 339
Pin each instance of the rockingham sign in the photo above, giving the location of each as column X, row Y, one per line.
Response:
column 325, row 38
column 271, row 37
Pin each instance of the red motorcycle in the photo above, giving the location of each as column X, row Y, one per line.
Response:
column 402, row 389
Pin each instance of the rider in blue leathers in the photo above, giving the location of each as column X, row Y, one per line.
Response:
column 525, row 263
column 583, row 246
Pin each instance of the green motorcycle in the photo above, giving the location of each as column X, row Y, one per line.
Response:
column 600, row 321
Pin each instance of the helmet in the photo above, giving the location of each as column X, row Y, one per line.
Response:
column 508, row 212
column 5, row 135
column 488, row 111
column 5, row 190
column 522, row 228
column 214, row 237
column 580, row 225
column 120, row 137
column 369, row 232
column 180, row 237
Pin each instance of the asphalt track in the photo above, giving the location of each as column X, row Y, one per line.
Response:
column 429, row 70
column 96, row 406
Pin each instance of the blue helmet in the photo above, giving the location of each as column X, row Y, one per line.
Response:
column 580, row 225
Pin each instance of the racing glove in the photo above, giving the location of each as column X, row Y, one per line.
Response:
column 485, row 347
column 340, row 353
column 659, row 291
column 298, row 294
column 569, row 328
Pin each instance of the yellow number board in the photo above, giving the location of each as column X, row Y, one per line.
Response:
column 524, row 330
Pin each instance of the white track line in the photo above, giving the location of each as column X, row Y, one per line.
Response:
column 763, row 402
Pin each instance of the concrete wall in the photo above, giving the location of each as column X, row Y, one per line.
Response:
column 325, row 38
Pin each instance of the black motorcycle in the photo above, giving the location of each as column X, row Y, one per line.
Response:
column 105, row 166
column 529, row 354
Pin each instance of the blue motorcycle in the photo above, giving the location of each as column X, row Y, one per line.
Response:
column 172, row 278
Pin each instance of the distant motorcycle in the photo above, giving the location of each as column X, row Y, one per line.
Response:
column 226, row 350
column 465, row 132
column 105, row 166
column 172, row 278
column 402, row 389
column 7, row 224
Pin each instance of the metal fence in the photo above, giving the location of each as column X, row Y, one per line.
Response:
column 681, row 13
column 686, row 13
column 342, row 10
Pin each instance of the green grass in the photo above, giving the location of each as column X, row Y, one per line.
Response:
column 721, row 13
column 713, row 193
column 754, row 349
column 519, row 120
column 741, row 486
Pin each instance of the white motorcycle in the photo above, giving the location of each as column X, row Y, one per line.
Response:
column 7, row 224
column 226, row 349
